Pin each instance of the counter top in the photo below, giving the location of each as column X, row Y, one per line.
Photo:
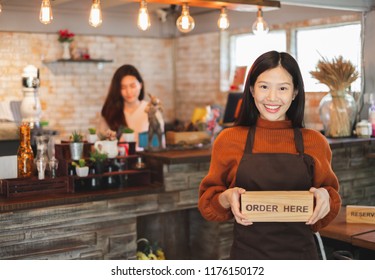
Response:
column 180, row 156
column 13, row 204
column 345, row 141
column 159, row 158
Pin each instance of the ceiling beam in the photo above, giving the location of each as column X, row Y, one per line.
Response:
column 238, row 5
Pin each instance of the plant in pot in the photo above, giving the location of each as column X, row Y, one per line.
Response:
column 76, row 145
column 127, row 134
column 82, row 169
column 91, row 136
column 98, row 159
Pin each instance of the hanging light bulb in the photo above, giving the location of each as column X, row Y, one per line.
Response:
column 260, row 26
column 45, row 15
column 223, row 22
column 95, row 18
column 185, row 23
column 144, row 22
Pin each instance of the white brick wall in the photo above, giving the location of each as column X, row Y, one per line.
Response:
column 72, row 94
column 184, row 72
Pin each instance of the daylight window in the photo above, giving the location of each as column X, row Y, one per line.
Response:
column 328, row 42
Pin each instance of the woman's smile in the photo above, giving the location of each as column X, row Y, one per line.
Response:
column 272, row 108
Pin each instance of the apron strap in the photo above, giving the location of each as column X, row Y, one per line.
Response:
column 298, row 140
column 250, row 140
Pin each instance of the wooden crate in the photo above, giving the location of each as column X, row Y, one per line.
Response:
column 25, row 187
column 187, row 138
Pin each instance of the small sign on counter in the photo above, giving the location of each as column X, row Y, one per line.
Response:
column 277, row 206
column 360, row 214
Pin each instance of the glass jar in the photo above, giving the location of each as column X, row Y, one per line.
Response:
column 337, row 112
column 25, row 155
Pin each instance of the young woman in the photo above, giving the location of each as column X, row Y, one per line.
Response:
column 269, row 149
column 124, row 105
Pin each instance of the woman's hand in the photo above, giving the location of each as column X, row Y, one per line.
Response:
column 231, row 199
column 110, row 134
column 322, row 206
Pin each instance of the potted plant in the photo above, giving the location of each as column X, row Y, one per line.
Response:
column 127, row 134
column 81, row 169
column 98, row 159
column 92, row 137
column 76, row 145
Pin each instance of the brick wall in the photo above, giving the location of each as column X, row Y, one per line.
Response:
column 197, row 73
column 184, row 72
column 72, row 94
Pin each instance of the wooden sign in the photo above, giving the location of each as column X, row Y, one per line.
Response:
column 360, row 214
column 277, row 206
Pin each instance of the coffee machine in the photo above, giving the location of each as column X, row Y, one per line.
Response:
column 30, row 106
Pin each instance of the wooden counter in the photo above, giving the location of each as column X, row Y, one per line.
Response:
column 106, row 224
column 365, row 240
column 340, row 230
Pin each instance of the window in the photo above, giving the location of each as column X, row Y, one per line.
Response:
column 310, row 45
column 328, row 42
column 248, row 47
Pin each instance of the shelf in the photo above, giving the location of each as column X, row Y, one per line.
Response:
column 113, row 173
column 99, row 60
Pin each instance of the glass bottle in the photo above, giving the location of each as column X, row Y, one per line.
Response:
column 371, row 113
column 25, row 156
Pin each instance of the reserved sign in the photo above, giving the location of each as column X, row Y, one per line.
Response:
column 360, row 214
column 277, row 206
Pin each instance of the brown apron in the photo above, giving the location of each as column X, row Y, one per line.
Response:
column 270, row 172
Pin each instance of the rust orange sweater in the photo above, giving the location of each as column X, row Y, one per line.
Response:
column 270, row 137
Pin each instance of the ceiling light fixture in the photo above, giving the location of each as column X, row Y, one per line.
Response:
column 260, row 26
column 45, row 15
column 223, row 22
column 95, row 18
column 185, row 23
column 144, row 22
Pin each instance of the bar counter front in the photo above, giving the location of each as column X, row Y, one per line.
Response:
column 106, row 224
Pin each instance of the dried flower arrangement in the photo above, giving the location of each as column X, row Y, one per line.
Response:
column 337, row 74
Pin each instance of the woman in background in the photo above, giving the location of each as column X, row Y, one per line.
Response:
column 124, row 105
column 269, row 150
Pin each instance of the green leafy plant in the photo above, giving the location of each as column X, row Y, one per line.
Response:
column 92, row 130
column 127, row 130
column 97, row 156
column 76, row 137
column 81, row 163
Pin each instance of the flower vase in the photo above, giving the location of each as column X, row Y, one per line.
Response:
column 66, row 50
column 337, row 111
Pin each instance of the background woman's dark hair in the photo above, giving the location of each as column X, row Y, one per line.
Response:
column 249, row 113
column 113, row 108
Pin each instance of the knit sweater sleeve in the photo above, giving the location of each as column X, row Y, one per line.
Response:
column 221, row 176
column 324, row 177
